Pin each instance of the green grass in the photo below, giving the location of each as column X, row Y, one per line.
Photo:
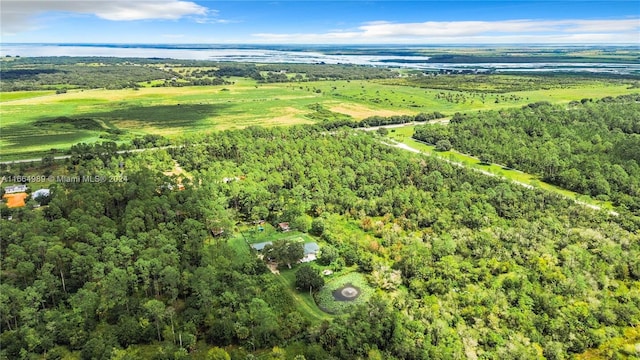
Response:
column 241, row 248
column 325, row 296
column 178, row 111
column 304, row 302
column 403, row 135
column 19, row 95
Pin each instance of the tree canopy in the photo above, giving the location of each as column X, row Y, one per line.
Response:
column 471, row 265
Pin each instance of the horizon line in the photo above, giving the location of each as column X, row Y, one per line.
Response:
column 322, row 44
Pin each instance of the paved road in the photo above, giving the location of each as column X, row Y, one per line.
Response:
column 62, row 157
column 394, row 144
column 484, row 172
column 446, row 121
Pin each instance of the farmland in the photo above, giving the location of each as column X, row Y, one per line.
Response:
column 120, row 115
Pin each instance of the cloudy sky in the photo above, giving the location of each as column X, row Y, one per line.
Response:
column 323, row 22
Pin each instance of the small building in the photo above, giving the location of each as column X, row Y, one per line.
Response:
column 260, row 246
column 310, row 252
column 40, row 193
column 15, row 200
column 327, row 272
column 284, row 226
column 15, row 189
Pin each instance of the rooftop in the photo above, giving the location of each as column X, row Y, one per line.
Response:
column 15, row 189
column 310, row 248
column 15, row 200
column 260, row 246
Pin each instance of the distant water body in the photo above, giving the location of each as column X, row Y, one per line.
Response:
column 392, row 56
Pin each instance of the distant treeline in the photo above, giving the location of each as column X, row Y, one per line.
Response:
column 381, row 120
column 52, row 73
column 330, row 72
column 51, row 77
column 503, row 83
column 271, row 73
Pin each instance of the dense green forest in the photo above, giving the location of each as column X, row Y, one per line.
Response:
column 591, row 147
column 53, row 76
column 488, row 269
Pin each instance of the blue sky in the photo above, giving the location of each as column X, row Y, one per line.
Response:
column 323, row 22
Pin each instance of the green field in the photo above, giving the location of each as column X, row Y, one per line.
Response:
column 175, row 111
column 19, row 95
column 325, row 296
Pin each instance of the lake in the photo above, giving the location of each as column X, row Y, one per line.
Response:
column 389, row 56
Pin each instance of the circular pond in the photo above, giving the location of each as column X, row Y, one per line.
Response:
column 341, row 294
column 346, row 293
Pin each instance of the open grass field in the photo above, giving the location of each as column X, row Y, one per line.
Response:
column 27, row 117
column 19, row 95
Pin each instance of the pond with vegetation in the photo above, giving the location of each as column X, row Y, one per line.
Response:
column 340, row 295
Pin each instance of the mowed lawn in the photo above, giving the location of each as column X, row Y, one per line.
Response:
column 178, row 110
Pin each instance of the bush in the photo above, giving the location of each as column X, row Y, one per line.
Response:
column 443, row 145
column 327, row 256
column 317, row 227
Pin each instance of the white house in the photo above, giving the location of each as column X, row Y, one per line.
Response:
column 15, row 189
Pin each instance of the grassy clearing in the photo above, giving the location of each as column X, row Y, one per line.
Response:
column 19, row 95
column 360, row 111
column 403, row 135
column 239, row 246
column 327, row 302
column 162, row 111
column 305, row 303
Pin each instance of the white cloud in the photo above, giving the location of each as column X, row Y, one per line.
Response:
column 513, row 31
column 215, row 20
column 20, row 15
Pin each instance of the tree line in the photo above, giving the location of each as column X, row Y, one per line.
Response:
column 377, row 120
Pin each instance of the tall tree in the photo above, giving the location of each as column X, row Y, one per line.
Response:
column 285, row 251
column 308, row 278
